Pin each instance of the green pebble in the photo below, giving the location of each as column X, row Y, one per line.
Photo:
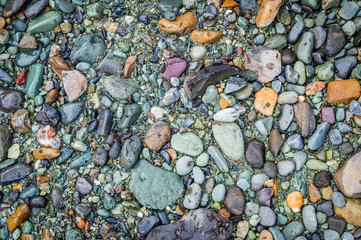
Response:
column 35, row 80
column 27, row 227
column 45, row 22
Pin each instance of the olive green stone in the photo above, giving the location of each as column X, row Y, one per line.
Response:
column 35, row 80
column 45, row 22
column 87, row 48
column 131, row 114
column 94, row 10
column 304, row 47
column 277, row 42
column 325, row 71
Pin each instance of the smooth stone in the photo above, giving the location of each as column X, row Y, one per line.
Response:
column 234, row 84
column 267, row 216
column 69, row 112
column 105, row 122
column 330, row 234
column 175, row 67
column 12, row 7
column 88, row 48
column 100, row 156
column 35, row 80
column 322, row 179
column 295, row 32
column 300, row 159
column 335, row 41
column 120, row 88
column 35, row 9
column 45, row 22
column 20, row 121
column 293, row 230
column 198, row 175
column 14, row 173
column 327, row 115
column 286, row 116
column 184, row 165
column 348, row 10
column 288, row 97
column 319, row 136
column 230, row 139
column 5, row 76
column 258, row 180
column 198, row 52
column 110, row 64
column 255, row 153
column 270, row 169
column 5, row 141
column 83, row 186
column 227, row 115
column 335, row 137
column 48, row 116
column 157, row 136
column 264, row 126
column 171, row 96
column 309, row 218
column 10, row 100
column 153, row 187
column 130, row 152
column 145, row 225
column 131, row 114
column 345, row 65
column 235, row 200
column 325, row 71
column 26, row 58
column 295, row 141
column 305, row 118
column 291, row 75
column 210, row 226
column 38, row 201
column 304, row 47
column 288, row 56
column 265, row 195
column 192, row 196
column 285, row 167
column 75, row 84
column 81, row 160
column 320, row 36
column 187, row 143
column 338, row 199
column 218, row 193
column 217, row 156
column 275, row 141
column 65, row 6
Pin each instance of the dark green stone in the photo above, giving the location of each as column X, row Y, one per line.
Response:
column 35, row 80
column 25, row 58
column 87, row 48
column 131, row 114
column 70, row 112
column 45, row 22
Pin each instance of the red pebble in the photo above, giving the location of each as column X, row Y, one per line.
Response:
column 22, row 77
column 239, row 50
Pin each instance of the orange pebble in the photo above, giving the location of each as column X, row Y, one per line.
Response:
column 224, row 213
column 80, row 222
column 229, row 3
column 17, row 187
column 172, row 153
column 295, row 200
column 71, row 212
column 275, row 187
column 223, row 103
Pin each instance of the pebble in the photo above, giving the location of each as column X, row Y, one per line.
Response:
column 265, row 101
column 288, row 97
column 130, row 151
column 198, row 53
column 335, row 41
column 295, row 141
column 218, row 193
column 293, row 230
column 227, row 115
column 258, row 180
column 184, row 165
column 300, row 159
column 120, row 88
column 255, row 154
column 267, row 12
column 157, row 136
column 193, row 196
column 319, row 136
column 187, row 143
column 286, row 117
column 267, row 216
column 348, row 10
column 20, row 121
column 206, row 36
column 309, row 218
column 275, row 141
column 305, row 118
column 87, row 48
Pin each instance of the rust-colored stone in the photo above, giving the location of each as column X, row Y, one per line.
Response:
column 206, row 36
column 351, row 212
column 111, row 26
column 18, row 217
column 52, row 96
column 305, row 118
column 58, row 65
column 267, row 12
column 46, row 235
column 265, row 235
column 157, row 136
column 46, row 153
column 129, row 65
column 348, row 177
column 313, row 193
column 314, row 87
column 181, row 25
column 265, row 101
column 229, row 3
column 343, row 91
column 26, row 236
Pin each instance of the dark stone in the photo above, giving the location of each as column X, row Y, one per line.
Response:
column 82, row 210
column 14, row 173
column 235, row 200
column 345, row 65
column 114, row 150
column 69, row 112
column 100, row 156
column 10, row 100
column 210, row 225
column 326, row 208
column 35, row 9
column 56, row 198
column 255, row 153
column 38, row 201
column 275, row 141
column 88, row 48
column 6, row 77
column 322, row 179
column 14, row 196
column 197, row 83
column 234, row 84
column 83, row 186
column 12, row 7
column 320, row 36
column 265, row 195
column 318, row 57
column 92, row 126
column 146, row 224
column 337, row 224
column 288, row 56
column 305, row 118
column 130, row 152
column 335, row 41
column 65, row 155
column 105, row 122
column 5, row 141
column 48, row 116
column 357, row 39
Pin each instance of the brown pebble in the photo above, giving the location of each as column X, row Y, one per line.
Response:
column 52, row 96
column 157, row 136
column 181, row 25
column 2, row 22
column 206, row 36
column 265, row 235
column 46, row 153
column 46, row 234
column 313, row 192
column 58, row 65
column 129, row 65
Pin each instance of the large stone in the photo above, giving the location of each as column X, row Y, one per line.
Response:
column 45, row 22
column 267, row 12
column 20, row 121
column 336, row 40
column 230, row 139
column 14, row 173
column 18, row 217
column 264, row 61
column 88, row 48
column 12, row 6
column 157, row 136
column 120, row 88
column 255, row 153
column 187, row 143
column 199, row 224
column 348, row 178
column 10, row 100
column 154, row 187
column 343, row 91
column 75, row 84
column 305, row 118
column 197, row 83
column 181, row 25
column 351, row 212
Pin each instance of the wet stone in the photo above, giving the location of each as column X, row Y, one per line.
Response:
column 88, row 48
column 255, row 153
column 335, row 41
column 130, row 151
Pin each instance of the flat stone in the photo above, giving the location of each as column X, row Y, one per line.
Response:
column 176, row 66
column 206, row 36
column 264, row 61
column 192, row 196
column 265, row 101
column 255, row 153
column 187, row 143
column 75, row 84
column 210, row 226
column 319, row 136
column 275, row 141
column 69, row 112
column 120, row 88
column 83, row 186
column 14, row 173
column 20, row 121
column 154, row 187
column 58, row 65
column 230, row 139
column 267, row 216
column 347, row 177
column 87, row 48
column 217, row 156
column 180, row 25
column 335, row 41
column 351, row 212
column 235, row 200
column 48, row 137
column 157, row 136
column 267, row 12
column 286, row 116
column 305, row 118
column 130, row 152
